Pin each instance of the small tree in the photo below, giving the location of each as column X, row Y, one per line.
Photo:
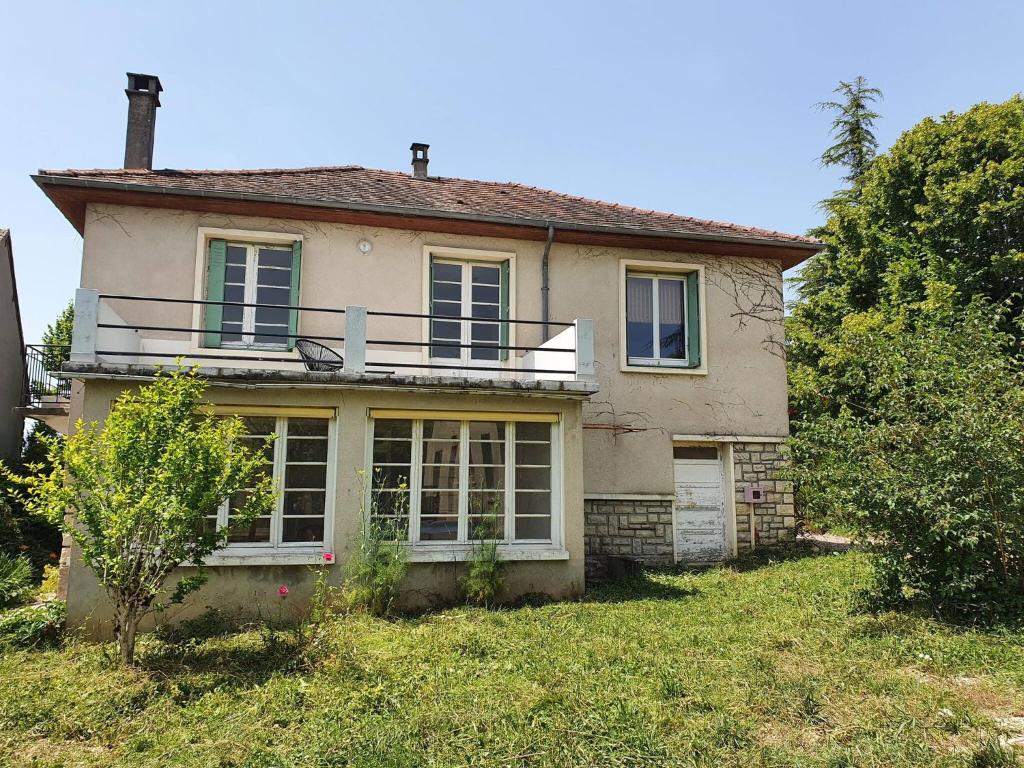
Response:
column 57, row 339
column 929, row 461
column 138, row 493
column 855, row 142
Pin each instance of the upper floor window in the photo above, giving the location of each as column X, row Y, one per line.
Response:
column 264, row 281
column 662, row 319
column 478, row 292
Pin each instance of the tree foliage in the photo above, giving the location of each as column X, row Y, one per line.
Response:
column 57, row 338
column 939, row 218
column 136, row 493
column 928, row 459
column 855, row 142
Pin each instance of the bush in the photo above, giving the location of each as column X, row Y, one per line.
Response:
column 374, row 573
column 482, row 583
column 15, row 579
column 929, row 464
column 33, row 626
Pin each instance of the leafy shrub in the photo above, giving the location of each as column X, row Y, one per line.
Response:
column 484, row 574
column 33, row 626
column 930, row 462
column 374, row 573
column 15, row 579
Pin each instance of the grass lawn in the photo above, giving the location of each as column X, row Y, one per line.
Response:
column 768, row 667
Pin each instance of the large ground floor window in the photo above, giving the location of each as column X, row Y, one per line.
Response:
column 444, row 479
column 300, row 462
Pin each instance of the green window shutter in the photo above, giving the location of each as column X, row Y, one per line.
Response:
column 214, row 292
column 693, row 320
column 293, row 315
column 503, row 333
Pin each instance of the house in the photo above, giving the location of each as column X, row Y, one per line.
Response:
column 609, row 381
column 12, row 356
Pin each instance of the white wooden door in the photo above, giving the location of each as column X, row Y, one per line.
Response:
column 700, row 507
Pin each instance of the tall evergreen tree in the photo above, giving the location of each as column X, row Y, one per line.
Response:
column 855, row 142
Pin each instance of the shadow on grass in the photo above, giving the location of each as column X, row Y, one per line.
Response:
column 765, row 557
column 636, row 586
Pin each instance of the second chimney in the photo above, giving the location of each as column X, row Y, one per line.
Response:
column 419, row 160
column 143, row 98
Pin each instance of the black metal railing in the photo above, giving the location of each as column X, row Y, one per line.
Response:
column 42, row 386
column 261, row 356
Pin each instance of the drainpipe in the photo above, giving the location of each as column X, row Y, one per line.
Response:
column 544, row 287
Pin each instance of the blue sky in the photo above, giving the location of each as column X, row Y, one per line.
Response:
column 704, row 109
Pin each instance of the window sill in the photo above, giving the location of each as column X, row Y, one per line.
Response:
column 666, row 369
column 304, row 556
column 459, row 553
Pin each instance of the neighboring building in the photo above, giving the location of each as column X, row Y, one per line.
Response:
column 12, row 356
column 612, row 378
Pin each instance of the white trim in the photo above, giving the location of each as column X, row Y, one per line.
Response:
column 655, row 267
column 305, row 556
column 458, row 553
column 728, row 439
column 729, row 481
column 466, row 255
column 628, row 497
column 203, row 236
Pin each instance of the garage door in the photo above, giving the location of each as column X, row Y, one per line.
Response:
column 699, row 505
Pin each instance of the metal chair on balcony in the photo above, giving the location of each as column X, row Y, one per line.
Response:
column 316, row 357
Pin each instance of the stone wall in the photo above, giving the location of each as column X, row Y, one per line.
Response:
column 775, row 519
column 639, row 530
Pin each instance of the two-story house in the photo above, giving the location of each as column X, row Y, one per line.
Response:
column 607, row 381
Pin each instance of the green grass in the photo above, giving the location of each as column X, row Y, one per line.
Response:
column 769, row 666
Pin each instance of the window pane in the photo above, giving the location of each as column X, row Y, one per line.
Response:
column 639, row 317
column 393, row 429
column 390, row 504
column 259, row 425
column 272, row 316
column 275, row 257
column 447, row 292
column 273, row 296
column 306, row 449
column 533, row 430
column 486, row 274
column 281, row 278
column 439, row 520
column 486, row 312
column 694, row 452
column 533, row 453
column 538, row 478
column 296, row 529
column 486, row 453
column 486, row 293
column 235, row 254
column 392, row 528
column 307, row 427
column 392, row 452
column 441, row 476
column 486, row 430
column 671, row 326
column 447, row 272
column 533, row 528
column 234, row 274
column 385, row 476
column 484, row 477
column 257, row 532
column 441, row 430
column 304, row 503
column 533, row 503
column 485, row 332
column 305, row 476
column 447, row 309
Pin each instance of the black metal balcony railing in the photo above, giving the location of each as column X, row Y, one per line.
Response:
column 42, row 387
column 569, row 354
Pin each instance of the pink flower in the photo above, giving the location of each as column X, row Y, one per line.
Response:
column 282, row 591
column 328, row 557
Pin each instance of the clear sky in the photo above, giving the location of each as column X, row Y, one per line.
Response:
column 703, row 109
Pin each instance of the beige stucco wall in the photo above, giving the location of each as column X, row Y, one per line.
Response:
column 12, row 366
column 253, row 589
column 628, row 425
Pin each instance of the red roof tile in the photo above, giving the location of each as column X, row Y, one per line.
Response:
column 350, row 185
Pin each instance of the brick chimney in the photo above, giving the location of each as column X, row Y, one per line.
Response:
column 143, row 98
column 419, row 160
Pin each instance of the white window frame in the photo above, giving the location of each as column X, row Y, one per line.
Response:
column 674, row 270
column 467, row 256
column 657, row 359
column 246, row 236
column 276, row 551
column 462, row 548
column 251, row 287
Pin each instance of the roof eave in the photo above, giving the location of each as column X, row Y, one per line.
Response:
column 45, row 180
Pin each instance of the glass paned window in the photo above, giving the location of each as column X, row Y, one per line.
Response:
column 257, row 274
column 298, row 461
column 656, row 310
column 473, row 479
column 466, row 290
column 390, row 475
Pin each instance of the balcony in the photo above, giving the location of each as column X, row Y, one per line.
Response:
column 47, row 396
column 117, row 335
